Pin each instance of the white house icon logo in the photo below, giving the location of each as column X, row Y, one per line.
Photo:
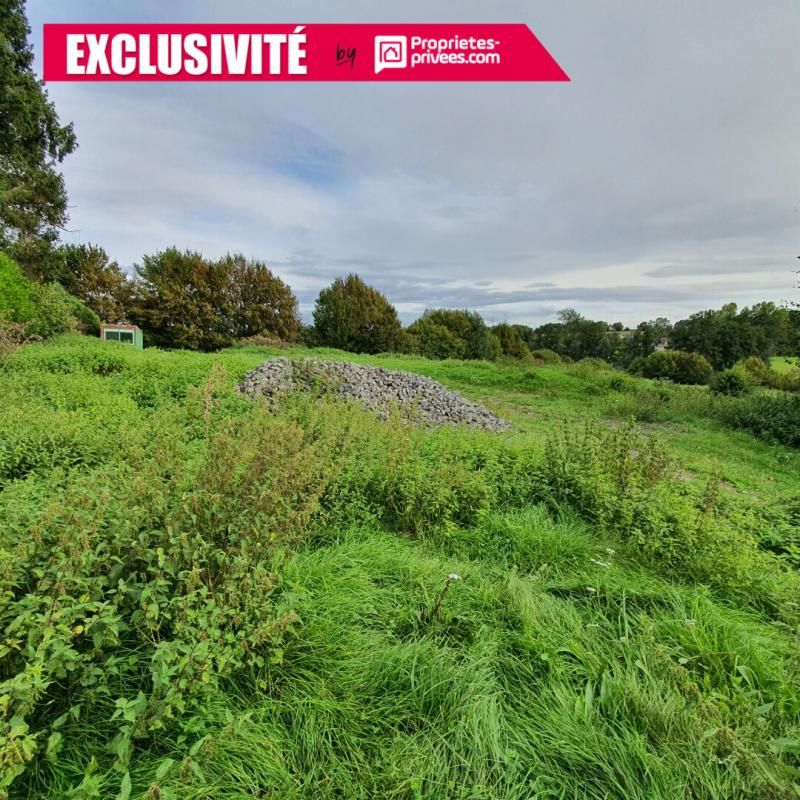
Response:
column 391, row 52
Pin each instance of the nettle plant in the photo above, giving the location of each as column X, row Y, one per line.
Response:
column 139, row 584
column 628, row 486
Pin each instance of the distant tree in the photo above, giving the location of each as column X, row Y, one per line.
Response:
column 727, row 335
column 568, row 315
column 645, row 339
column 86, row 272
column 794, row 331
column 617, row 326
column 550, row 336
column 469, row 328
column 33, row 198
column 261, row 303
column 774, row 324
column 512, row 345
column 353, row 316
column 527, row 333
column 495, row 347
column 575, row 337
column 431, row 339
column 677, row 366
column 578, row 337
column 181, row 299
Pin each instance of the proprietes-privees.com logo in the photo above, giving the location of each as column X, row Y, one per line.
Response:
column 391, row 52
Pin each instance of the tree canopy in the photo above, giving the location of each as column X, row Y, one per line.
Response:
column 727, row 335
column 475, row 341
column 181, row 299
column 353, row 316
column 33, row 198
column 86, row 272
column 512, row 344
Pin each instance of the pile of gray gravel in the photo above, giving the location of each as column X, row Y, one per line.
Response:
column 375, row 388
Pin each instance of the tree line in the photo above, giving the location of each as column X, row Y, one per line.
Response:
column 182, row 299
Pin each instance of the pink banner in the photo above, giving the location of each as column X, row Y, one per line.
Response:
column 256, row 52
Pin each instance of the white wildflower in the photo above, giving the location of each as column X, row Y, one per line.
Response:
column 454, row 577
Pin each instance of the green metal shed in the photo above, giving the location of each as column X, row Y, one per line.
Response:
column 127, row 334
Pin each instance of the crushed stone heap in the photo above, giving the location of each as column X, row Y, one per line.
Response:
column 375, row 388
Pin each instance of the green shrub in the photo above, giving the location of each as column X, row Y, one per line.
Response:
column 145, row 583
column 732, row 382
column 46, row 309
column 547, row 356
column 758, row 369
column 428, row 338
column 773, row 417
column 466, row 329
column 643, row 406
column 59, row 312
column 677, row 366
column 620, row 383
column 628, row 486
column 16, row 302
column 512, row 345
column 588, row 365
column 787, row 380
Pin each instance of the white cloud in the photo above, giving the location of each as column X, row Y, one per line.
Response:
column 672, row 154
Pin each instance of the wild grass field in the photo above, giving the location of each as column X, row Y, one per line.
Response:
column 203, row 599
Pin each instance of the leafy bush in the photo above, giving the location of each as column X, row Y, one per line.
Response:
column 589, row 365
column 763, row 374
column 466, row 330
column 642, row 406
column 677, row 366
column 16, row 303
column 352, row 316
column 732, row 382
column 12, row 336
column 773, row 417
column 58, row 312
column 153, row 559
column 512, row 345
column 758, row 369
column 628, row 486
column 45, row 309
column 428, row 338
column 547, row 356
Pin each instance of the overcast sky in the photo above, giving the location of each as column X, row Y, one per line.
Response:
column 662, row 180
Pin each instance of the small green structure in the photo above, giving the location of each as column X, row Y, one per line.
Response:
column 127, row 334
